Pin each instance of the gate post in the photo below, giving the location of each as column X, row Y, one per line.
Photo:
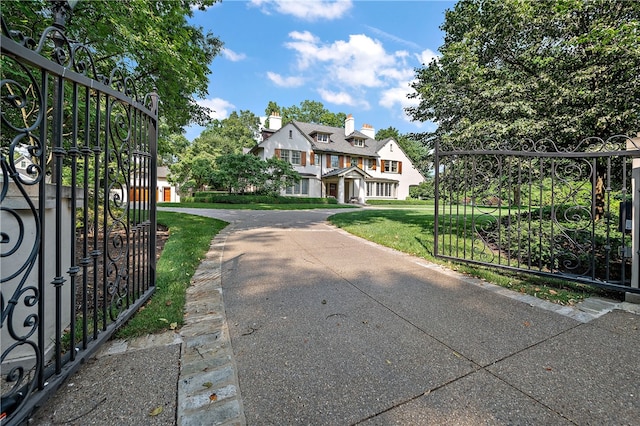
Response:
column 634, row 144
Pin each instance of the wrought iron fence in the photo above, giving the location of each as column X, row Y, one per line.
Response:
column 78, row 188
column 537, row 208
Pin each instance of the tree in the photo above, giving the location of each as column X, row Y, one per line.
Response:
column 307, row 112
column 239, row 172
column 423, row 191
column 194, row 172
column 281, row 175
column 509, row 69
column 151, row 40
column 225, row 137
column 239, row 130
column 171, row 146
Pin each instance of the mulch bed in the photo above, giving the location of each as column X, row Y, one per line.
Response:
column 162, row 235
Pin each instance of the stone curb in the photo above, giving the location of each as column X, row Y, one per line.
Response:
column 208, row 390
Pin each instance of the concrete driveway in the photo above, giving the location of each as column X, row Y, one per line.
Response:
column 329, row 329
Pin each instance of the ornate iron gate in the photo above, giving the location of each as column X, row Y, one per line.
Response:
column 78, row 222
column 536, row 208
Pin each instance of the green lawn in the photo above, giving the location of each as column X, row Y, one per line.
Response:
column 410, row 230
column 189, row 240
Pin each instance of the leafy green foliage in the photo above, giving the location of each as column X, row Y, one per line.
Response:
column 198, row 166
column 307, row 112
column 151, row 40
column 564, row 70
column 425, row 190
column 239, row 173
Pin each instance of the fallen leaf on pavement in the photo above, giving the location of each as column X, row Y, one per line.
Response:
column 213, row 397
column 156, row 411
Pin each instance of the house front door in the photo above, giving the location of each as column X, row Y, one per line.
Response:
column 333, row 190
column 166, row 194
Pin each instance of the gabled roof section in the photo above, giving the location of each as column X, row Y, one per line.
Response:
column 345, row 171
column 338, row 141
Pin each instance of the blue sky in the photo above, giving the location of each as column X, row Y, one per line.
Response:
column 356, row 57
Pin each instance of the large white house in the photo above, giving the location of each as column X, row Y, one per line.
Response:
column 338, row 162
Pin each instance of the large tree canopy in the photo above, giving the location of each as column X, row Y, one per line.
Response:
column 225, row 137
column 151, row 39
column 307, row 112
column 511, row 69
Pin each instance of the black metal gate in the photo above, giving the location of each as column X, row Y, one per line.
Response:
column 78, row 193
column 533, row 207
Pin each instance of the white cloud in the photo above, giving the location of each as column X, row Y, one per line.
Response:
column 355, row 71
column 392, row 37
column 309, row 10
column 358, row 62
column 426, row 56
column 395, row 99
column 281, row 81
column 220, row 108
column 342, row 98
column 233, row 56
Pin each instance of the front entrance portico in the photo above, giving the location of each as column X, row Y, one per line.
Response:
column 346, row 185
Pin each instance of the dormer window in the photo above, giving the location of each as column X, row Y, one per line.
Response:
column 322, row 137
column 358, row 142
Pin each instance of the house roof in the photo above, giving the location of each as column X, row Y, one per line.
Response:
column 338, row 141
column 346, row 170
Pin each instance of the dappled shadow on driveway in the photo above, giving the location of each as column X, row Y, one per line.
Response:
column 329, row 329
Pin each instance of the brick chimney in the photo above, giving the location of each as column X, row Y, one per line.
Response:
column 349, row 125
column 368, row 130
column 275, row 121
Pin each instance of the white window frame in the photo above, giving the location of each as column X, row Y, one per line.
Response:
column 300, row 188
column 358, row 142
column 381, row 189
column 296, row 158
column 391, row 166
column 322, row 137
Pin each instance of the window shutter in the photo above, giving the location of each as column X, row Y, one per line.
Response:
column 312, row 158
column 328, row 160
column 375, row 163
column 303, row 158
column 277, row 154
column 360, row 162
column 400, row 167
column 340, row 161
column 381, row 166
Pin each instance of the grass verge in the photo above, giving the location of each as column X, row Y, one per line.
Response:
column 189, row 240
column 411, row 231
